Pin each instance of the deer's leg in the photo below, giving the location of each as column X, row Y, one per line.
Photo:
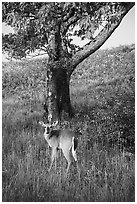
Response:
column 53, row 155
column 66, row 153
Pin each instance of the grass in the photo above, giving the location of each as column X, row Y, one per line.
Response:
column 102, row 94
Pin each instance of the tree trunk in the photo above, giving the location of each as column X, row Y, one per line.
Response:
column 63, row 93
column 58, row 93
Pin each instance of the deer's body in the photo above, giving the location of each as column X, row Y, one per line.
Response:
column 60, row 139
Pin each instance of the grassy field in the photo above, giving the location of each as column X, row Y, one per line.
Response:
column 103, row 97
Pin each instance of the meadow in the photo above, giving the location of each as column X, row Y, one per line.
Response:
column 103, row 98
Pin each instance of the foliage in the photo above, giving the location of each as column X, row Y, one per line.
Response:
column 35, row 22
column 103, row 94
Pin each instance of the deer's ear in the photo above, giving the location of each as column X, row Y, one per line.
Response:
column 42, row 124
column 55, row 123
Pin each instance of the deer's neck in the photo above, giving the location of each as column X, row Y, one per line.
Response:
column 52, row 133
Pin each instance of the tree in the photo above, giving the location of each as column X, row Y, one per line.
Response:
column 50, row 27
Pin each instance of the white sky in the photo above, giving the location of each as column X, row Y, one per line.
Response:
column 123, row 35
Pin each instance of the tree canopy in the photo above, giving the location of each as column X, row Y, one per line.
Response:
column 34, row 23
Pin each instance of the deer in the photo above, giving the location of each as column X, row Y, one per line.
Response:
column 63, row 139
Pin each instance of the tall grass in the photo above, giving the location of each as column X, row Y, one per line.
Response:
column 102, row 94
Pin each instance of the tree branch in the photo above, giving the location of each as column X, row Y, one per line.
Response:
column 99, row 40
column 71, row 22
column 69, row 15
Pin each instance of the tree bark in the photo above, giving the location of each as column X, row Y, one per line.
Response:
column 51, row 95
column 58, row 93
column 63, row 93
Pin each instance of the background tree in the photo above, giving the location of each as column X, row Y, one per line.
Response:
column 50, row 27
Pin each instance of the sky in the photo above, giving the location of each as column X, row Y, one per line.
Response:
column 123, row 35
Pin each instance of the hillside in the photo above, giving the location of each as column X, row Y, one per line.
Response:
column 103, row 98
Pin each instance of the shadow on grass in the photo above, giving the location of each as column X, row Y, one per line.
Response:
column 114, row 114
